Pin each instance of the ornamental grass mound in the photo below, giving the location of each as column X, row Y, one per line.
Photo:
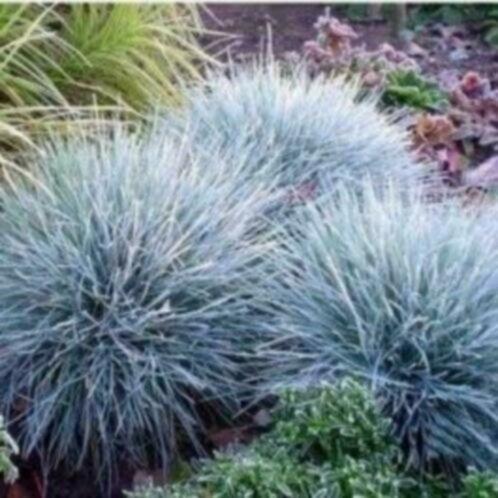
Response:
column 126, row 275
column 404, row 295
column 293, row 128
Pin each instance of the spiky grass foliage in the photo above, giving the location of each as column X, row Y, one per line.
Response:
column 140, row 54
column 31, row 101
column 23, row 76
column 291, row 126
column 126, row 272
column 133, row 54
column 404, row 295
column 63, row 60
column 24, row 37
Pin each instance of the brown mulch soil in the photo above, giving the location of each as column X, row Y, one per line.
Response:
column 291, row 25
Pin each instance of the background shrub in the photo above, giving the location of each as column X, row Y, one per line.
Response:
column 404, row 295
column 126, row 273
column 292, row 128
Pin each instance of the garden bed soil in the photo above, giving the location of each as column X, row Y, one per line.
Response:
column 289, row 26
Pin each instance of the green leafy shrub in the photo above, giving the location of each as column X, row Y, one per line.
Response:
column 485, row 14
column 407, row 88
column 342, row 432
column 480, row 485
column 310, row 453
column 367, row 479
column 126, row 273
column 285, row 462
column 405, row 295
column 8, row 447
column 324, row 424
column 446, row 13
column 490, row 25
column 249, row 473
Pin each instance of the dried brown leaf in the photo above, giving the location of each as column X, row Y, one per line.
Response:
column 433, row 130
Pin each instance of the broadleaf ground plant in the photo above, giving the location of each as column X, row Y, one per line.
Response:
column 357, row 455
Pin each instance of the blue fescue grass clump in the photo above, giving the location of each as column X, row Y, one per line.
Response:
column 126, row 273
column 293, row 128
column 404, row 295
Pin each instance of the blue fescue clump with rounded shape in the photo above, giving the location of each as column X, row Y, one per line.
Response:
column 126, row 271
column 293, row 128
column 403, row 295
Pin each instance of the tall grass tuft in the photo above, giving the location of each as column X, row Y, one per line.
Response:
column 24, row 79
column 139, row 54
column 63, row 61
column 292, row 127
column 403, row 295
column 126, row 274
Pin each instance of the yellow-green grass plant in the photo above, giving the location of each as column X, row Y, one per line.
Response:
column 66, row 61
column 140, row 54
column 22, row 76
